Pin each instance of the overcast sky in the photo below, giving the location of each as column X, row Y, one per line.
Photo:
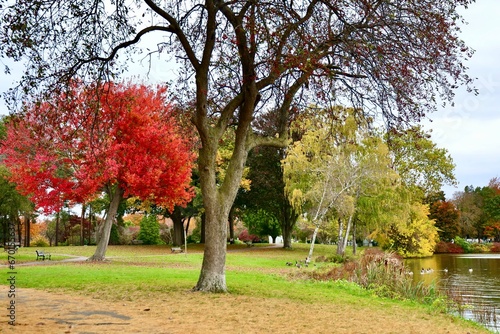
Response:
column 470, row 130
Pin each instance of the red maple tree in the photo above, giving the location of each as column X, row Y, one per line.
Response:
column 120, row 138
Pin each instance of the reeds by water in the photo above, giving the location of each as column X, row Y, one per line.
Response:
column 462, row 302
column 385, row 274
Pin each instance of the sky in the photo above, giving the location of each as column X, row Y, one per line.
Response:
column 470, row 130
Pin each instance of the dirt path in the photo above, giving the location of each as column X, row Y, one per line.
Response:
column 187, row 312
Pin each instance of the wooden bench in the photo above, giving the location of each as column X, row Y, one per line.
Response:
column 177, row 249
column 42, row 255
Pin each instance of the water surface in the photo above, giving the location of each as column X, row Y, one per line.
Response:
column 475, row 276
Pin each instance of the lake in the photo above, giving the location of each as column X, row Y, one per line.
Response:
column 475, row 276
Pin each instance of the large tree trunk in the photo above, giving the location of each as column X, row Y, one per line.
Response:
column 213, row 270
column 217, row 201
column 287, row 235
column 178, row 237
column 102, row 245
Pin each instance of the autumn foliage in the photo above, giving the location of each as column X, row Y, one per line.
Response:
column 70, row 147
column 448, row 247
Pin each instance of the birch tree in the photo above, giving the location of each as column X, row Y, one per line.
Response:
column 333, row 163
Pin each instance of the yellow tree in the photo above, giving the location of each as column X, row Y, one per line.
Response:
column 335, row 161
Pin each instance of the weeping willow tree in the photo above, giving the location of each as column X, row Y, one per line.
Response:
column 336, row 160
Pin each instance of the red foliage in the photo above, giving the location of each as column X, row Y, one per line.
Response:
column 496, row 247
column 70, row 147
column 492, row 230
column 448, row 247
column 245, row 237
column 441, row 247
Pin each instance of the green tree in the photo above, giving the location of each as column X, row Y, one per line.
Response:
column 419, row 162
column 267, row 190
column 262, row 224
column 242, row 57
column 13, row 205
column 150, row 230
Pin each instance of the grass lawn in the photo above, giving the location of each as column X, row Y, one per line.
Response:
column 136, row 274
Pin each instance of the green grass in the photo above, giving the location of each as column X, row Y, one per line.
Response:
column 257, row 272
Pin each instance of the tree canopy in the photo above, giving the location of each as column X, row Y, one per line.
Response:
column 419, row 162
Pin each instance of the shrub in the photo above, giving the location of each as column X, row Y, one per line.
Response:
column 464, row 244
column 441, row 248
column 385, row 275
column 495, row 248
column 246, row 237
column 455, row 248
column 480, row 248
column 40, row 241
column 150, row 230
column 336, row 258
column 448, row 247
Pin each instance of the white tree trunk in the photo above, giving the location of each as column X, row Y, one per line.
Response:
column 346, row 238
column 313, row 241
column 341, row 237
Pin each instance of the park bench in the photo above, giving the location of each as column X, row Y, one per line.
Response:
column 11, row 245
column 42, row 255
column 177, row 249
column 137, row 242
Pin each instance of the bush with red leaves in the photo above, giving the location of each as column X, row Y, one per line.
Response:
column 246, row 237
column 496, row 247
